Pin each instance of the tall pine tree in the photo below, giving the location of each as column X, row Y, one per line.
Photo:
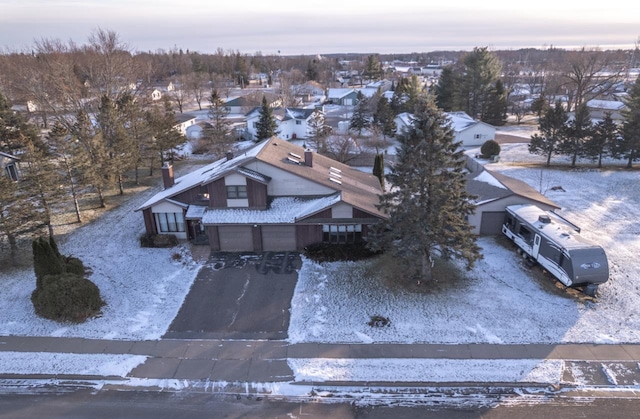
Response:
column 629, row 147
column 266, row 127
column 427, row 202
column 552, row 132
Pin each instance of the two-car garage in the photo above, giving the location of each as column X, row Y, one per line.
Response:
column 234, row 238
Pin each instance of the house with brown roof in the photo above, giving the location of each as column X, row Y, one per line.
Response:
column 494, row 192
column 274, row 196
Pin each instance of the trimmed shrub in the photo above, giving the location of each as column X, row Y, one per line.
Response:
column 67, row 297
column 45, row 260
column 323, row 252
column 490, row 148
column 75, row 266
column 158, row 240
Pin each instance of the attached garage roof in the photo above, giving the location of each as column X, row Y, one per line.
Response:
column 282, row 211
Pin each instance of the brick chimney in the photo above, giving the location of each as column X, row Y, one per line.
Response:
column 308, row 158
column 167, row 175
column 229, row 155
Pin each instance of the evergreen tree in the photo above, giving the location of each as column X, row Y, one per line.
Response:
column 578, row 131
column 605, row 135
column 360, row 119
column 383, row 118
column 46, row 260
column 373, row 68
column 478, row 74
column 552, row 132
column 266, row 127
column 67, row 152
column 497, row 105
column 92, row 155
column 41, row 179
column 427, row 203
column 445, row 90
column 17, row 214
column 219, row 133
column 629, row 146
column 319, row 130
column 312, row 70
column 165, row 137
column 539, row 106
column 378, row 168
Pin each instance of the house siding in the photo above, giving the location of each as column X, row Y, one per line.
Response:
column 214, row 239
column 218, row 194
column 257, row 194
column 149, row 223
column 362, row 214
column 308, row 234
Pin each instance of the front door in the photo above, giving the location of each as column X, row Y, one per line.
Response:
column 536, row 246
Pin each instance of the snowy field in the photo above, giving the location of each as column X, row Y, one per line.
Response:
column 501, row 302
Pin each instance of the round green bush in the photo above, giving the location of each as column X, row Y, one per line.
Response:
column 490, row 148
column 75, row 266
column 67, row 297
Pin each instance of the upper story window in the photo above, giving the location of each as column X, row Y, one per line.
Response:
column 12, row 172
column 298, row 122
column 237, row 192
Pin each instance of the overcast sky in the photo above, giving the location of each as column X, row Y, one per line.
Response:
column 323, row 26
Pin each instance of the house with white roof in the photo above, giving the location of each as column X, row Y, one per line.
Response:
column 342, row 96
column 275, row 196
column 598, row 108
column 293, row 123
column 467, row 131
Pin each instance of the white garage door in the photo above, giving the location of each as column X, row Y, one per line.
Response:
column 276, row 238
column 235, row 238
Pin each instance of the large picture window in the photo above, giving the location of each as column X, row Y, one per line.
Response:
column 237, row 192
column 170, row 222
column 342, row 233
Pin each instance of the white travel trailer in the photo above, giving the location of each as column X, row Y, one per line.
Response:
column 556, row 244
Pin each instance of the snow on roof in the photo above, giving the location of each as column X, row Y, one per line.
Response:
column 486, row 177
column 612, row 105
column 339, row 92
column 202, row 175
column 460, row 120
column 284, row 210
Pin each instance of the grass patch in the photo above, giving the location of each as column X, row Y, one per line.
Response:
column 397, row 274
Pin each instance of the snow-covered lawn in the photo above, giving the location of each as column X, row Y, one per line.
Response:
column 143, row 288
column 500, row 302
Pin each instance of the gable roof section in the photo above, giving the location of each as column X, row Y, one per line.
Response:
column 354, row 187
column 490, row 186
column 359, row 189
column 202, row 176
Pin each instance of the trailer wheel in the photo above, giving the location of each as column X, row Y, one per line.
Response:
column 591, row 290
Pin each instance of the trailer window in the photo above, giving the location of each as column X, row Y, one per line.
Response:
column 510, row 222
column 525, row 233
column 567, row 266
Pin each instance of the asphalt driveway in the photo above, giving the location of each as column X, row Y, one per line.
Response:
column 239, row 296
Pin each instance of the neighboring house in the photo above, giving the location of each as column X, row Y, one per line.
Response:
column 598, row 108
column 344, row 97
column 275, row 196
column 156, row 94
column 309, row 92
column 183, row 122
column 9, row 166
column 243, row 104
column 467, row 131
column 494, row 192
column 292, row 122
